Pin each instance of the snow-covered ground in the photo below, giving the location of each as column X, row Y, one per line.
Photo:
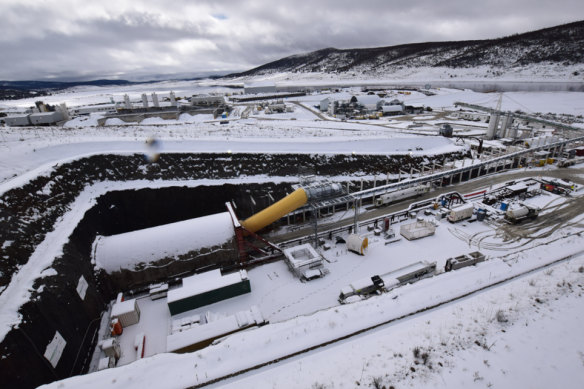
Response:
column 514, row 334
column 478, row 76
column 525, row 333
column 35, row 149
column 452, row 340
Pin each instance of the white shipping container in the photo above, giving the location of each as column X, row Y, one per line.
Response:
column 127, row 312
column 461, row 212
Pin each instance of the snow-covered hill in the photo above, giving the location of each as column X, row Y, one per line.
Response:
column 548, row 53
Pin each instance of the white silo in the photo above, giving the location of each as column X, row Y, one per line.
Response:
column 505, row 121
column 144, row 100
column 493, row 124
column 172, row 99
column 63, row 109
column 155, row 100
column 127, row 103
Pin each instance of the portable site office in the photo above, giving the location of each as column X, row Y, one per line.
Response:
column 207, row 288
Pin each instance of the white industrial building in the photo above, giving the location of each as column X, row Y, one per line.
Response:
column 207, row 100
column 259, row 87
column 370, row 102
column 94, row 108
column 35, row 119
column 389, row 110
column 393, row 107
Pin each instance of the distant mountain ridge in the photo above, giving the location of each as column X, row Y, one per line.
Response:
column 55, row 85
column 560, row 45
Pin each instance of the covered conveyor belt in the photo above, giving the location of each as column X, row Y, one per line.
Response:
column 275, row 211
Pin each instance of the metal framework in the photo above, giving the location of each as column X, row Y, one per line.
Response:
column 246, row 241
column 518, row 115
column 452, row 172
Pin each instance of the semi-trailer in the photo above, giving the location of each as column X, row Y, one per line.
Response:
column 461, row 212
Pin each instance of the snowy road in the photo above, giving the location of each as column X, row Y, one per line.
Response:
column 18, row 165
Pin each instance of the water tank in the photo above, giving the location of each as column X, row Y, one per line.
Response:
column 517, row 213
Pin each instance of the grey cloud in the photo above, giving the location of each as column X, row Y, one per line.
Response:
column 236, row 35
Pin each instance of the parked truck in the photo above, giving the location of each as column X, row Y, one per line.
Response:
column 461, row 212
column 361, row 289
column 366, row 287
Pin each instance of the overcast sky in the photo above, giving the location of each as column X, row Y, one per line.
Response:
column 69, row 39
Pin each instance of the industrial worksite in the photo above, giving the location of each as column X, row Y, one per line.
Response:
column 228, row 233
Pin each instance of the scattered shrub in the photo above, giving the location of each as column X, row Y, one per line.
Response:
column 501, row 317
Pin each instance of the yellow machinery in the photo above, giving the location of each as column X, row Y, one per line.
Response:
column 275, row 211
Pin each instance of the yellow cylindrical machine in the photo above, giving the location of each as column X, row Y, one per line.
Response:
column 275, row 211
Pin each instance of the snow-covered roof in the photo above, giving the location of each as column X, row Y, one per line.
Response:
column 204, row 282
column 463, row 207
column 123, row 307
column 214, row 329
column 368, row 99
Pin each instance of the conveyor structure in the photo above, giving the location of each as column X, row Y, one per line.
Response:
column 309, row 194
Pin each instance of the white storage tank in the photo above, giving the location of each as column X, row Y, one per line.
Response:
column 517, row 213
column 357, row 243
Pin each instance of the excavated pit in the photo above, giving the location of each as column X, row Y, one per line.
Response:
column 28, row 213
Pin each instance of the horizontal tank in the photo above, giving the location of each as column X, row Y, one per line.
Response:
column 517, row 213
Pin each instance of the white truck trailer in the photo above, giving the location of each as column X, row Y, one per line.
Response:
column 461, row 212
column 401, row 194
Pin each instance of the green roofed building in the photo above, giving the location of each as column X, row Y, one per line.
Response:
column 207, row 288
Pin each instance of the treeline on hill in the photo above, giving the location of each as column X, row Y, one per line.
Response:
column 12, row 90
column 561, row 44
